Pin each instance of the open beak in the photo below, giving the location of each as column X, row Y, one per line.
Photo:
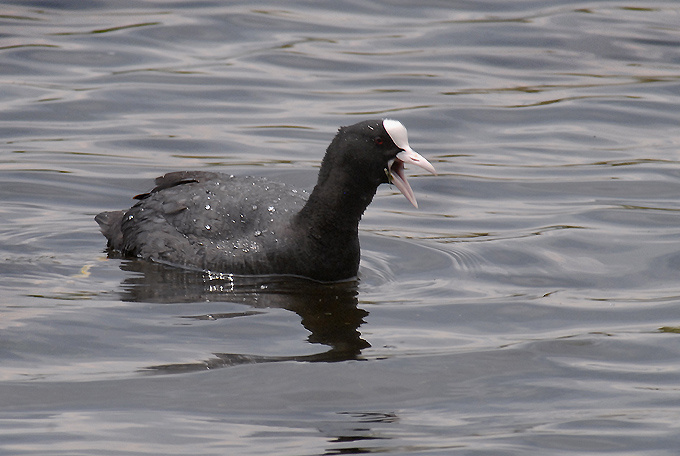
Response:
column 395, row 171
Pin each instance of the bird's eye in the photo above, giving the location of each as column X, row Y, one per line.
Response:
column 378, row 140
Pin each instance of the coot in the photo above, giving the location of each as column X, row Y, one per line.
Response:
column 252, row 226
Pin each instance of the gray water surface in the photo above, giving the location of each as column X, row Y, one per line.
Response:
column 531, row 305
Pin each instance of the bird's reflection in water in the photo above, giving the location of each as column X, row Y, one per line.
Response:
column 328, row 311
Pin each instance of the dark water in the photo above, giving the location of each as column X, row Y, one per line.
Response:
column 530, row 306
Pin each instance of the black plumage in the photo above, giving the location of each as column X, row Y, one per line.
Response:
column 253, row 226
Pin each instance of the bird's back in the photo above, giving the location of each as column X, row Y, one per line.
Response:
column 206, row 221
